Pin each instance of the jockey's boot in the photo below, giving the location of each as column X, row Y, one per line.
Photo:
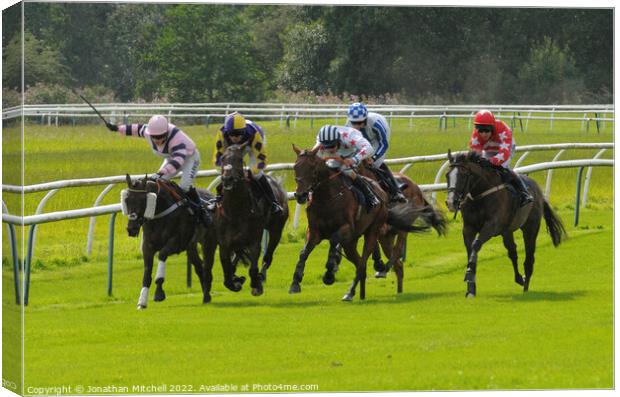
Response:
column 196, row 203
column 524, row 195
column 367, row 191
column 276, row 208
column 395, row 194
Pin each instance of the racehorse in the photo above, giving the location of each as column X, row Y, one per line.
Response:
column 334, row 214
column 240, row 218
column 489, row 209
column 169, row 227
column 392, row 240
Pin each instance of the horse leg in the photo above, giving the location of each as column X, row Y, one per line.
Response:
column 160, row 295
column 275, row 234
column 350, row 249
column 194, row 258
column 333, row 259
column 395, row 259
column 147, row 255
column 511, row 247
column 255, row 279
column 387, row 243
column 476, row 246
column 378, row 264
column 229, row 270
column 530, row 233
column 208, row 252
column 312, row 240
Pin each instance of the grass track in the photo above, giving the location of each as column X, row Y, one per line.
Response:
column 559, row 335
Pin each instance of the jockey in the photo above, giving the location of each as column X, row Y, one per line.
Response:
column 237, row 130
column 376, row 130
column 178, row 150
column 493, row 139
column 352, row 148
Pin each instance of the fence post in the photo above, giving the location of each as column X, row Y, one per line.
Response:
column 550, row 175
column 552, row 115
column 16, row 266
column 588, row 176
column 411, row 120
column 111, row 253
column 579, row 173
column 91, row 224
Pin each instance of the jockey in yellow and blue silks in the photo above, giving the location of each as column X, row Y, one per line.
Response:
column 237, row 130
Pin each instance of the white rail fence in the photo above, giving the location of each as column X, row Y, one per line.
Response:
column 113, row 209
column 290, row 113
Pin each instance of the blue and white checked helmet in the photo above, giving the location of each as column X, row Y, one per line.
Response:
column 357, row 112
column 328, row 135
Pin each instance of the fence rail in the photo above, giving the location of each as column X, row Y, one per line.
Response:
column 285, row 112
column 113, row 209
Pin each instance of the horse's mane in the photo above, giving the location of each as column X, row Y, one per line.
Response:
column 471, row 157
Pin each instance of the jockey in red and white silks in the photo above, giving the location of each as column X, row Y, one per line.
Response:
column 493, row 139
column 346, row 142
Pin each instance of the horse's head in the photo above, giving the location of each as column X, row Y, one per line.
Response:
column 306, row 170
column 464, row 169
column 232, row 165
column 138, row 202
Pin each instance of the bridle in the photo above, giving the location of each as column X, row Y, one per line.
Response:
column 316, row 182
column 468, row 188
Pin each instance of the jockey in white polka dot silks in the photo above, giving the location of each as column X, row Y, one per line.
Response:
column 493, row 139
column 236, row 131
column 376, row 130
column 345, row 148
column 178, row 150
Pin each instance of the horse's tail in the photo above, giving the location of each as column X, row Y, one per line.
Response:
column 555, row 228
column 435, row 218
column 402, row 216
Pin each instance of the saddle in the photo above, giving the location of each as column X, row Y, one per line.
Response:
column 357, row 193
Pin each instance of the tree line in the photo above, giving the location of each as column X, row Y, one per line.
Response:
column 207, row 52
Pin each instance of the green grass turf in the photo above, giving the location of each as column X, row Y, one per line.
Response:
column 559, row 335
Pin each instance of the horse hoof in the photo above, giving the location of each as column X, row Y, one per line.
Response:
column 328, row 278
column 234, row 286
column 159, row 296
column 470, row 295
column 347, row 298
column 141, row 307
column 379, row 266
column 257, row 291
column 294, row 289
column 206, row 299
column 239, row 279
column 519, row 280
column 380, row 274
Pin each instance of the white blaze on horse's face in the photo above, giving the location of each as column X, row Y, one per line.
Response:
column 452, row 176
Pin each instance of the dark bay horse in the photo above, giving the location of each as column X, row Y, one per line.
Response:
column 169, row 227
column 392, row 240
column 334, row 214
column 240, row 219
column 489, row 209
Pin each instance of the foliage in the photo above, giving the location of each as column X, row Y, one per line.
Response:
column 205, row 54
column 41, row 63
column 213, row 52
column 305, row 58
column 550, row 73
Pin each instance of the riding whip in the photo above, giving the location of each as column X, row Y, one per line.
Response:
column 89, row 104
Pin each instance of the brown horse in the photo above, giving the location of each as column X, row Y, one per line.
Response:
column 476, row 188
column 392, row 240
column 392, row 249
column 335, row 214
column 240, row 219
